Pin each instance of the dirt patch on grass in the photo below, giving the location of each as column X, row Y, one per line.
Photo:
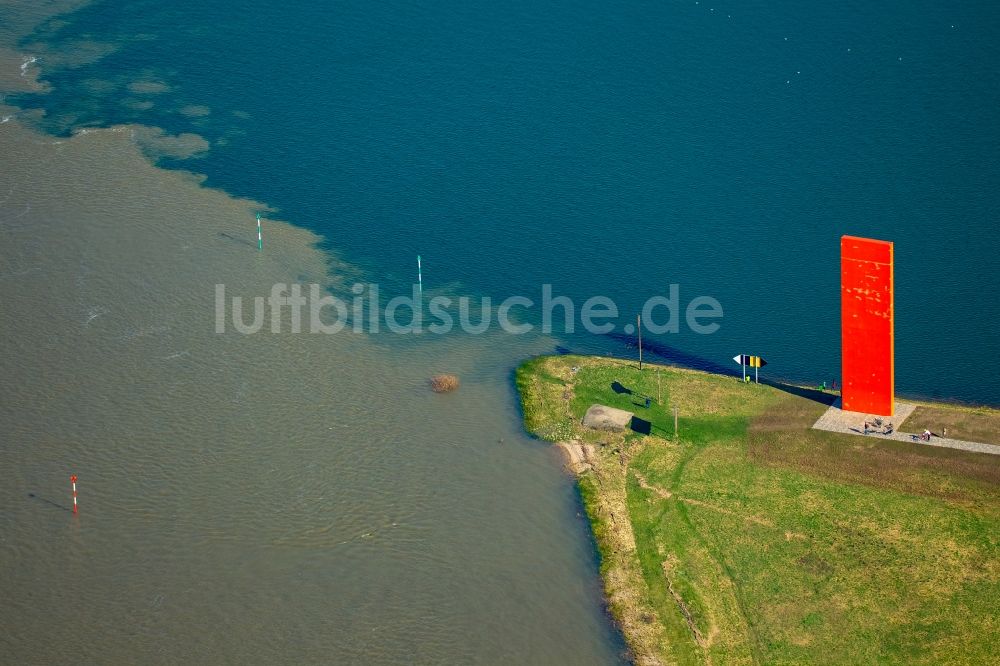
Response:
column 973, row 425
column 781, row 437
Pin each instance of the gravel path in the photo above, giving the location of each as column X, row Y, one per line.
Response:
column 852, row 423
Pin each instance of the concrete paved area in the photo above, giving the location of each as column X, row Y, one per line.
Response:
column 852, row 423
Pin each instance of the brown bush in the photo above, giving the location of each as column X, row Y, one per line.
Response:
column 444, row 383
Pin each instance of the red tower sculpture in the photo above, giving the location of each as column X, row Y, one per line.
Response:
column 866, row 311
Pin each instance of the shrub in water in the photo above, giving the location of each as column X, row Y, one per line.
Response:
column 444, row 383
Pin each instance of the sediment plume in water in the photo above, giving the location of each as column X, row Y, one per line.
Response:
column 239, row 491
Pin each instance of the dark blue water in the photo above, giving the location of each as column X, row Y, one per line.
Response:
column 606, row 148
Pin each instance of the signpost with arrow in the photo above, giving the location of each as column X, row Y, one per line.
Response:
column 755, row 362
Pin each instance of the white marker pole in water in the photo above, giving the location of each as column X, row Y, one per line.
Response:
column 260, row 238
column 420, row 277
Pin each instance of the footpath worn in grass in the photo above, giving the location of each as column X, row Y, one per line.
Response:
column 751, row 538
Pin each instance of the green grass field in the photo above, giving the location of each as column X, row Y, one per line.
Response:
column 751, row 538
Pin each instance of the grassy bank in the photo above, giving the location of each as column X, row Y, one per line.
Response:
column 751, row 538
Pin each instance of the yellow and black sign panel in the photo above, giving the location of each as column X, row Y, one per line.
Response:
column 752, row 361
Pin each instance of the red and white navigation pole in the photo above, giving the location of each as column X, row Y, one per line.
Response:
column 72, row 479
